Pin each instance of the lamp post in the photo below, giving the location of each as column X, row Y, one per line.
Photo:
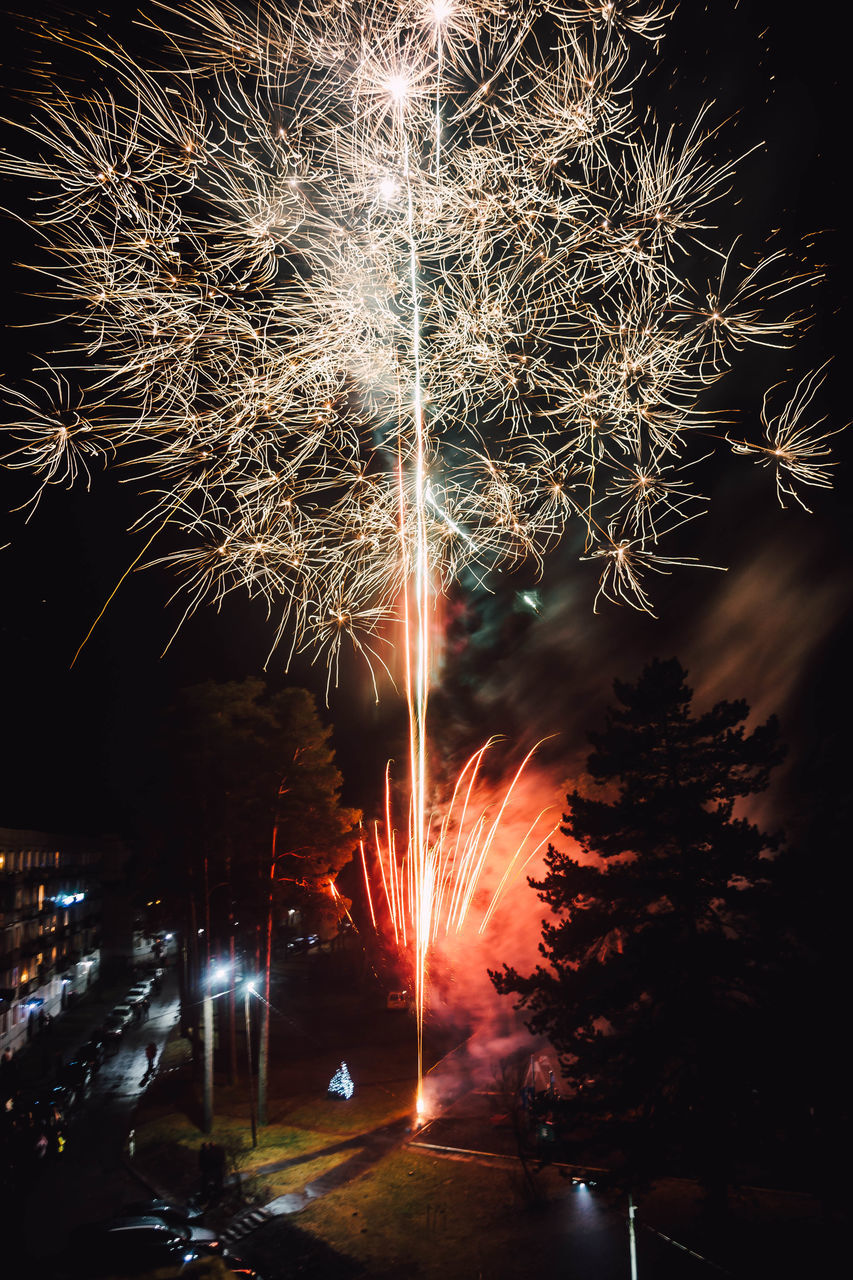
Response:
column 632, row 1238
column 232, row 1008
column 247, row 991
column 207, row 1014
column 216, row 974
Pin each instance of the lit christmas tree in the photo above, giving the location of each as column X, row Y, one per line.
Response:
column 341, row 1085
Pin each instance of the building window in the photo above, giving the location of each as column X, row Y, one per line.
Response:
column 2, row 862
column 41, row 896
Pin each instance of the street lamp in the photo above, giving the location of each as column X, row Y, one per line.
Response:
column 249, row 989
column 218, row 974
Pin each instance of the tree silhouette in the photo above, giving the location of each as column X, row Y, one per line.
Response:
column 654, row 962
column 242, row 763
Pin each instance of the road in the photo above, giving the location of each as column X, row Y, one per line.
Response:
column 90, row 1180
column 582, row 1235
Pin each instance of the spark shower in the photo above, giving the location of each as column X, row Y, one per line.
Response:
column 370, row 295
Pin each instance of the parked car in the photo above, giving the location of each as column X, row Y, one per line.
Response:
column 398, row 1000
column 126, row 1248
column 132, row 1245
column 123, row 1013
column 154, row 1224
column 92, row 1052
column 302, row 944
column 61, row 1098
column 116, row 1023
column 77, row 1074
column 113, row 1030
column 144, row 986
column 167, row 1210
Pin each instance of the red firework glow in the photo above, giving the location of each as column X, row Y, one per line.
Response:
column 430, row 887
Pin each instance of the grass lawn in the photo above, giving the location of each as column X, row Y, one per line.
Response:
column 307, row 1127
column 440, row 1217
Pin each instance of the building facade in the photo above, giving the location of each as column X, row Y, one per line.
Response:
column 50, row 924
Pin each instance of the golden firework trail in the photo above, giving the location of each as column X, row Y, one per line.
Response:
column 369, row 295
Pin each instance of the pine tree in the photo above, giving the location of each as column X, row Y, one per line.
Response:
column 654, row 961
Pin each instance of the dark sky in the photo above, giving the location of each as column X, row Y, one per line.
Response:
column 773, row 628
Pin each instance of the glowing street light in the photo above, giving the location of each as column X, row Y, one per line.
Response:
column 249, row 989
column 216, row 976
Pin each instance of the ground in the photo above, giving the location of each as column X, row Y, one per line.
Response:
column 352, row 1190
column 356, row 1190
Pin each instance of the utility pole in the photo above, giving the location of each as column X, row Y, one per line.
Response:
column 264, row 1046
column 632, row 1238
column 207, row 1008
column 232, row 1013
column 246, row 992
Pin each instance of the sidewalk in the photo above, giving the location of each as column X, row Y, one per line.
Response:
column 70, row 1029
column 37, row 1060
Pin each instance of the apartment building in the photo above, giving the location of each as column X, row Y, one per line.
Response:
column 50, row 919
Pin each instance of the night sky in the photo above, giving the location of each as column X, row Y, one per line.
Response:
column 774, row 629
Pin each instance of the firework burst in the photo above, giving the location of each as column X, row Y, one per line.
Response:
column 370, row 294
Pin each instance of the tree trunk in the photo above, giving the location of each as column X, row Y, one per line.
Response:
column 206, row 916
column 194, row 984
column 264, row 1046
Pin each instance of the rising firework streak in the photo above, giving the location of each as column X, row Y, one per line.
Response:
column 372, row 294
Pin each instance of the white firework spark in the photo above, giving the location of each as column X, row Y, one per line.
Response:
column 799, row 452
column 307, row 221
column 372, row 293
